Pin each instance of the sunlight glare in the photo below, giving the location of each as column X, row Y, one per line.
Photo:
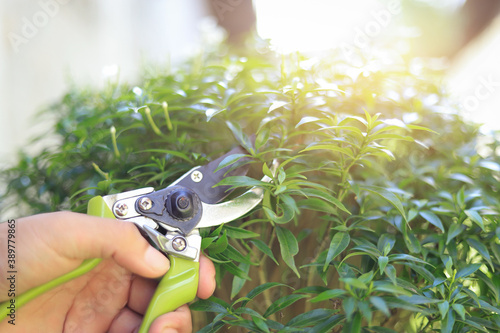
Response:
column 317, row 25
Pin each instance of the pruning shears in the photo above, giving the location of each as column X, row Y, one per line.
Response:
column 171, row 218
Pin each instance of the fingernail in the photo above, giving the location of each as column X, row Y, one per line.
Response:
column 156, row 260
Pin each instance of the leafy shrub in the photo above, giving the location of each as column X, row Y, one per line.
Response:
column 382, row 216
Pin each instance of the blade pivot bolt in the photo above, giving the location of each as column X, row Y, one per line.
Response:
column 180, row 204
column 121, row 209
column 179, row 244
column 196, row 176
column 145, row 203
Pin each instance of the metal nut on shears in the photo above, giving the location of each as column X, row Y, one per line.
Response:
column 180, row 204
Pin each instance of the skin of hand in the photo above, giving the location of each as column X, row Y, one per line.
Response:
column 110, row 298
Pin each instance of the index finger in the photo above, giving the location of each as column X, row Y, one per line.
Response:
column 206, row 286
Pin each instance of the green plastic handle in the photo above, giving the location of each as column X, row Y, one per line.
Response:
column 176, row 288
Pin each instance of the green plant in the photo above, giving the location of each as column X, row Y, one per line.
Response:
column 382, row 216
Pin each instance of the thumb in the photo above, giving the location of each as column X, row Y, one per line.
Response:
column 81, row 236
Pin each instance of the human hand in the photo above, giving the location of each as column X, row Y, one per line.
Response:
column 110, row 298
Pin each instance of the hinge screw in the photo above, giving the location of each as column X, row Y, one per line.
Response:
column 121, row 209
column 196, row 176
column 179, row 244
column 145, row 203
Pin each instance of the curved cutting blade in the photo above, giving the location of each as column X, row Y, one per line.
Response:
column 202, row 179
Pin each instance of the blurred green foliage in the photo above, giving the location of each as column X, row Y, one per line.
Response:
column 382, row 216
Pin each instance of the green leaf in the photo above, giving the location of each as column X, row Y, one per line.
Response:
column 412, row 242
column 364, row 308
column 382, row 263
column 306, row 120
column 490, row 165
column 467, row 270
column 379, row 303
column 340, row 241
column 242, row 181
column 266, row 171
column 289, row 247
column 206, row 241
column 475, row 217
column 239, row 233
column 402, row 256
column 240, row 136
column 482, row 249
column 219, row 245
column 391, row 288
column 235, row 270
column 325, row 196
column 448, row 322
column 353, row 282
column 349, row 305
column 238, row 282
column 328, row 294
column 421, row 128
column 207, row 306
column 283, row 302
column 459, row 309
column 454, row 230
column 235, row 255
column 213, row 327
column 443, row 307
column 433, row 219
column 261, row 324
column 488, row 307
column 277, row 105
column 317, row 205
column 311, row 290
column 264, row 248
column 418, row 299
column 332, row 147
column 386, row 243
column 422, row 271
column 311, row 318
column 260, row 289
column 390, row 271
column 327, row 325
column 354, row 326
column 281, row 175
column 387, row 195
column 228, row 160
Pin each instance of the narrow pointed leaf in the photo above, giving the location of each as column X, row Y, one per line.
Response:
column 432, row 219
column 475, row 217
column 340, row 241
column 289, row 247
column 387, row 195
column 467, row 270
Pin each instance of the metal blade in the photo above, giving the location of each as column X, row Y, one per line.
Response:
column 231, row 210
column 202, row 179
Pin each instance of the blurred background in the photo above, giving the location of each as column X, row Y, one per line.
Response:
column 48, row 46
